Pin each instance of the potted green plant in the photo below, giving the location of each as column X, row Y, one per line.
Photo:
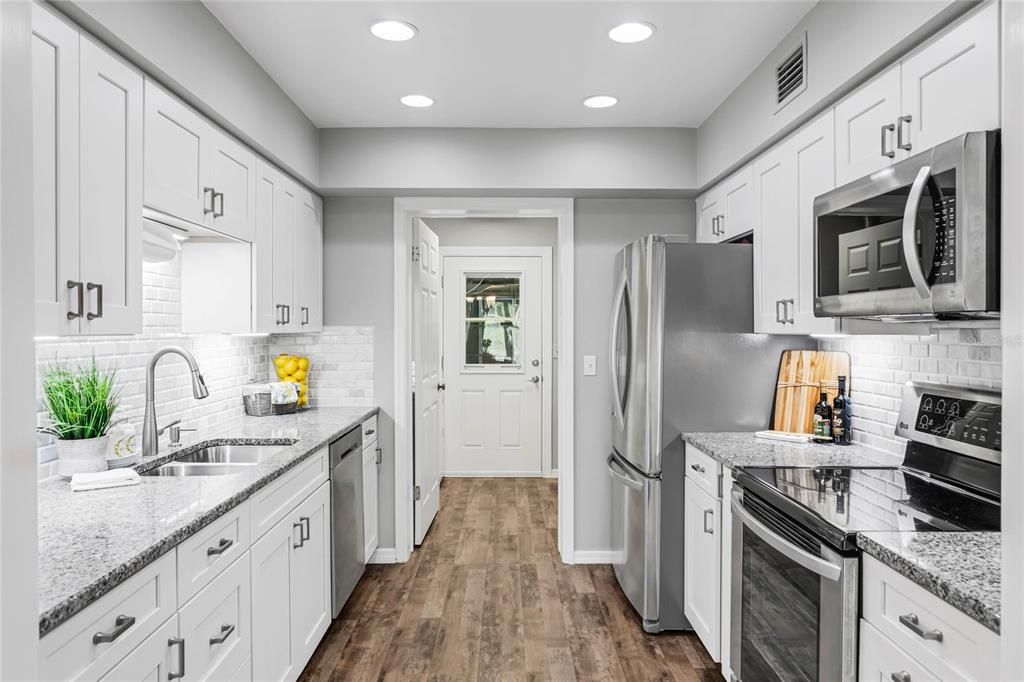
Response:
column 80, row 404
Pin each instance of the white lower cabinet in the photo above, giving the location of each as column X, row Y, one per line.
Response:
column 160, row 657
column 882, row 661
column 215, row 625
column 702, row 588
column 370, row 501
column 291, row 607
column 725, row 622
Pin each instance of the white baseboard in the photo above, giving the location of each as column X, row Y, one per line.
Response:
column 492, row 474
column 384, row 555
column 597, row 556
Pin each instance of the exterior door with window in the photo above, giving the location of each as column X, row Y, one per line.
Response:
column 493, row 365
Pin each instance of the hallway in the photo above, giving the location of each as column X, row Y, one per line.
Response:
column 486, row 597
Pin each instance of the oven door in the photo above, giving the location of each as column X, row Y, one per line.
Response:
column 794, row 600
column 893, row 243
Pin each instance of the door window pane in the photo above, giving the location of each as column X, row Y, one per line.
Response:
column 493, row 320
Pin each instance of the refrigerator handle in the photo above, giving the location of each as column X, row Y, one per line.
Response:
column 619, row 473
column 620, row 298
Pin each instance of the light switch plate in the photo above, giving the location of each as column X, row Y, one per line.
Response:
column 589, row 365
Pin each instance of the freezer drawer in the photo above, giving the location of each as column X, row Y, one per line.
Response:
column 636, row 503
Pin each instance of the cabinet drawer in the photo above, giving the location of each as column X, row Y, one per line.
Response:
column 216, row 625
column 703, row 471
column 211, row 550
column 370, row 430
column 268, row 506
column 148, row 597
column 967, row 650
column 883, row 661
column 157, row 658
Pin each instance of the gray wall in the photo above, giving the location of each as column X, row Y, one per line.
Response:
column 512, row 232
column 398, row 161
column 358, row 289
column 603, row 227
column 846, row 41
column 184, row 47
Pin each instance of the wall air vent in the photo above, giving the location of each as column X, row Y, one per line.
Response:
column 791, row 75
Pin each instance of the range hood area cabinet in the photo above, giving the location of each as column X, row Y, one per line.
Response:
column 87, row 177
column 196, row 172
column 272, row 285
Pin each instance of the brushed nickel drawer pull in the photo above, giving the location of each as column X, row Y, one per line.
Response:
column 221, row 547
column 181, row 658
column 912, row 623
column 225, row 632
column 699, row 468
column 81, row 299
column 121, row 625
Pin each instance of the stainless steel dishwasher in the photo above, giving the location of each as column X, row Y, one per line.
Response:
column 347, row 549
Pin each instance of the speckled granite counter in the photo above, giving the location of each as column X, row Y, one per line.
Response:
column 963, row 569
column 744, row 450
column 90, row 542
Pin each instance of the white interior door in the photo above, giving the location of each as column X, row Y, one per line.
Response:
column 427, row 380
column 494, row 365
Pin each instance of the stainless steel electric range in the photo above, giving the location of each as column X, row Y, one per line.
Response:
column 795, row 577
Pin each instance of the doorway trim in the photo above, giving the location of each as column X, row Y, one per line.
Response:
column 408, row 208
column 547, row 319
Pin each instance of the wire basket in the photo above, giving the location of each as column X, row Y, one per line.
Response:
column 259, row 405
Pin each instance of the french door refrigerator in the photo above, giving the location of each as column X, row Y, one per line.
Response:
column 684, row 359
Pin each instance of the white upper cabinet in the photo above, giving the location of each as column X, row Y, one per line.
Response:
column 727, row 210
column 948, row 86
column 87, row 191
column 951, row 84
column 196, row 172
column 866, row 127
column 55, row 171
column 308, row 266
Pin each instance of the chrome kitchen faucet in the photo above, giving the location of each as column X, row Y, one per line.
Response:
column 150, row 433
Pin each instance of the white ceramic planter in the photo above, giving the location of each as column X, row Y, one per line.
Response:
column 82, row 456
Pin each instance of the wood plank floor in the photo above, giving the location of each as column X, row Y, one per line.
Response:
column 487, row 598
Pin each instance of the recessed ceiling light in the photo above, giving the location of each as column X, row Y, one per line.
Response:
column 631, row 32
column 418, row 101
column 600, row 101
column 395, row 31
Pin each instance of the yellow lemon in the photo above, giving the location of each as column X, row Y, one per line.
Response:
column 280, row 360
column 303, row 363
column 291, row 366
column 281, row 373
column 299, row 374
column 302, row 389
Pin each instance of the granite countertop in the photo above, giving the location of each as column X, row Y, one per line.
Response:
column 90, row 542
column 743, row 449
column 963, row 569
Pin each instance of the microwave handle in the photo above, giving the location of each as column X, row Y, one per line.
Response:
column 817, row 565
column 909, row 236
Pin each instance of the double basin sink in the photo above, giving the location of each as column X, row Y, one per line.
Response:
column 218, row 460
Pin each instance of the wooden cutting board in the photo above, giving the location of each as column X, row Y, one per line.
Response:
column 803, row 375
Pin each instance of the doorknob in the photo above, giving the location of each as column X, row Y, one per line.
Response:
column 534, row 379
column 441, row 387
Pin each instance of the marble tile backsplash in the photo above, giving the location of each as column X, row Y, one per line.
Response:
column 880, row 365
column 341, row 363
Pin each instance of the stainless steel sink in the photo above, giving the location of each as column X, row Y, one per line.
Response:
column 193, row 469
column 230, row 454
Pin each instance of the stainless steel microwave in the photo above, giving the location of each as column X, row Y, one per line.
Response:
column 918, row 239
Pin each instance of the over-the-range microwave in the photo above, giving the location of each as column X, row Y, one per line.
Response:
column 916, row 240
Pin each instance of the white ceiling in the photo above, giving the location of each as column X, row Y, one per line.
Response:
column 508, row 64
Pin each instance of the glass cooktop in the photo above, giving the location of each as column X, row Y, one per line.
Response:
column 840, row 502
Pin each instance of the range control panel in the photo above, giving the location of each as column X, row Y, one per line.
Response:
column 961, row 419
column 967, row 421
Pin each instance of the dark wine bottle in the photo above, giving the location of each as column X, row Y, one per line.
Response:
column 842, row 429
column 822, row 420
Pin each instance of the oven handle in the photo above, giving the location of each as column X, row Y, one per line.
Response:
column 619, row 473
column 825, row 569
column 909, row 225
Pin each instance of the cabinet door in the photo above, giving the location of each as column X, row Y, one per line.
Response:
column 881, row 660
column 55, row 172
column 951, row 84
column 157, row 658
column 738, row 200
column 308, row 316
column 725, row 537
column 311, row 575
column 215, row 625
column 370, row 500
column 864, row 140
column 110, row 228
column 272, row 602
column 813, row 148
column 702, row 587
column 174, row 156
column 775, row 260
column 230, row 169
column 273, row 251
column 709, row 208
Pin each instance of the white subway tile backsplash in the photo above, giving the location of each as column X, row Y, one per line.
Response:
column 341, row 363
column 881, row 365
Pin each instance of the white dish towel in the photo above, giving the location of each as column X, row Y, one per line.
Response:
column 104, row 479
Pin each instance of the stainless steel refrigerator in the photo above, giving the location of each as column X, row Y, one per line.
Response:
column 684, row 358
